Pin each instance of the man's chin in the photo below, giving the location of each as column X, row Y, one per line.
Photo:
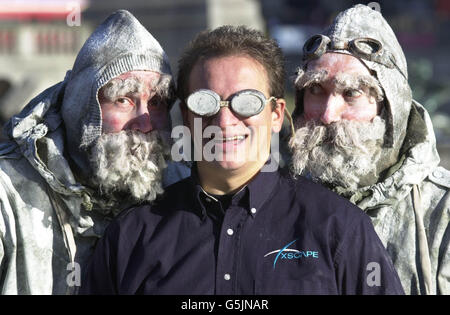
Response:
column 225, row 165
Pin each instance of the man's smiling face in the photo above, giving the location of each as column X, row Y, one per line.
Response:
column 245, row 142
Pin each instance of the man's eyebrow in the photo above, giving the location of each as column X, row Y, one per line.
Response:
column 305, row 79
column 342, row 81
column 358, row 81
column 121, row 87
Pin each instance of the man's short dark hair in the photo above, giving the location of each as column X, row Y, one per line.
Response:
column 229, row 41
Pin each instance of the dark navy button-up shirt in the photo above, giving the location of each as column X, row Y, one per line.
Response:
column 277, row 235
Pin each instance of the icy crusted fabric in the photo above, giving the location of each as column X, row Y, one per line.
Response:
column 410, row 210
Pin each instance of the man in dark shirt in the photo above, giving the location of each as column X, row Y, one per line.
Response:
column 238, row 225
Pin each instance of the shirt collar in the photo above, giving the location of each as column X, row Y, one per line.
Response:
column 252, row 196
column 199, row 193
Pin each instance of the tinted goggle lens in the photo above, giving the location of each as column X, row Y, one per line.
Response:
column 366, row 46
column 315, row 47
column 245, row 103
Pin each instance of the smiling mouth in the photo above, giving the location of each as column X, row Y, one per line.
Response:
column 230, row 139
column 233, row 138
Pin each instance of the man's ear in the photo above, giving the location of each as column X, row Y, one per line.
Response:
column 278, row 115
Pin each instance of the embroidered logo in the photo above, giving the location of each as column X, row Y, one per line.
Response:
column 288, row 253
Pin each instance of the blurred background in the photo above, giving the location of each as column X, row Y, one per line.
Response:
column 39, row 40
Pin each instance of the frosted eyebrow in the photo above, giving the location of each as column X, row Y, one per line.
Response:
column 305, row 79
column 344, row 81
column 121, row 87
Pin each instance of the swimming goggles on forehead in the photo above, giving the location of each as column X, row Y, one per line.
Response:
column 245, row 103
column 366, row 48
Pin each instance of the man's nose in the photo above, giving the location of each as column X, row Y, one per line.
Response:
column 141, row 121
column 333, row 109
column 225, row 117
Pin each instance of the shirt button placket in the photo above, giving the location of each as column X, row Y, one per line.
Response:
column 226, row 257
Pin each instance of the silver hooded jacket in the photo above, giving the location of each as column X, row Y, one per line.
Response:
column 49, row 220
column 410, row 210
column 408, row 200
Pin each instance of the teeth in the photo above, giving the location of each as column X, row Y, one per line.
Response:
column 234, row 138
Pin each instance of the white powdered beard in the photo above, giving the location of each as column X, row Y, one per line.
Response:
column 129, row 162
column 339, row 154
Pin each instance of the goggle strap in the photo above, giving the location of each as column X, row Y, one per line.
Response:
column 291, row 121
column 380, row 56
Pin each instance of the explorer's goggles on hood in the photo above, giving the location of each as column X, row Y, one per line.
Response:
column 245, row 103
column 366, row 48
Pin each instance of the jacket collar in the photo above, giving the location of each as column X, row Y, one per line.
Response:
column 37, row 134
column 419, row 157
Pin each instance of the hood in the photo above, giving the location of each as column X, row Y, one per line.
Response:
column 36, row 133
column 361, row 22
column 119, row 45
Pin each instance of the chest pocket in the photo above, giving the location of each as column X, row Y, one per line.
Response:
column 295, row 278
column 440, row 176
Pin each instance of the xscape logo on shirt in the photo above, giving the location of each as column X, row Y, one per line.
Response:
column 288, row 253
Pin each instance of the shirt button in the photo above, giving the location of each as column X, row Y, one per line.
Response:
column 227, row 276
column 208, row 199
column 230, row 232
column 253, row 210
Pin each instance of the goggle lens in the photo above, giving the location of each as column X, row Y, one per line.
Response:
column 315, row 46
column 245, row 103
column 203, row 102
column 367, row 46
